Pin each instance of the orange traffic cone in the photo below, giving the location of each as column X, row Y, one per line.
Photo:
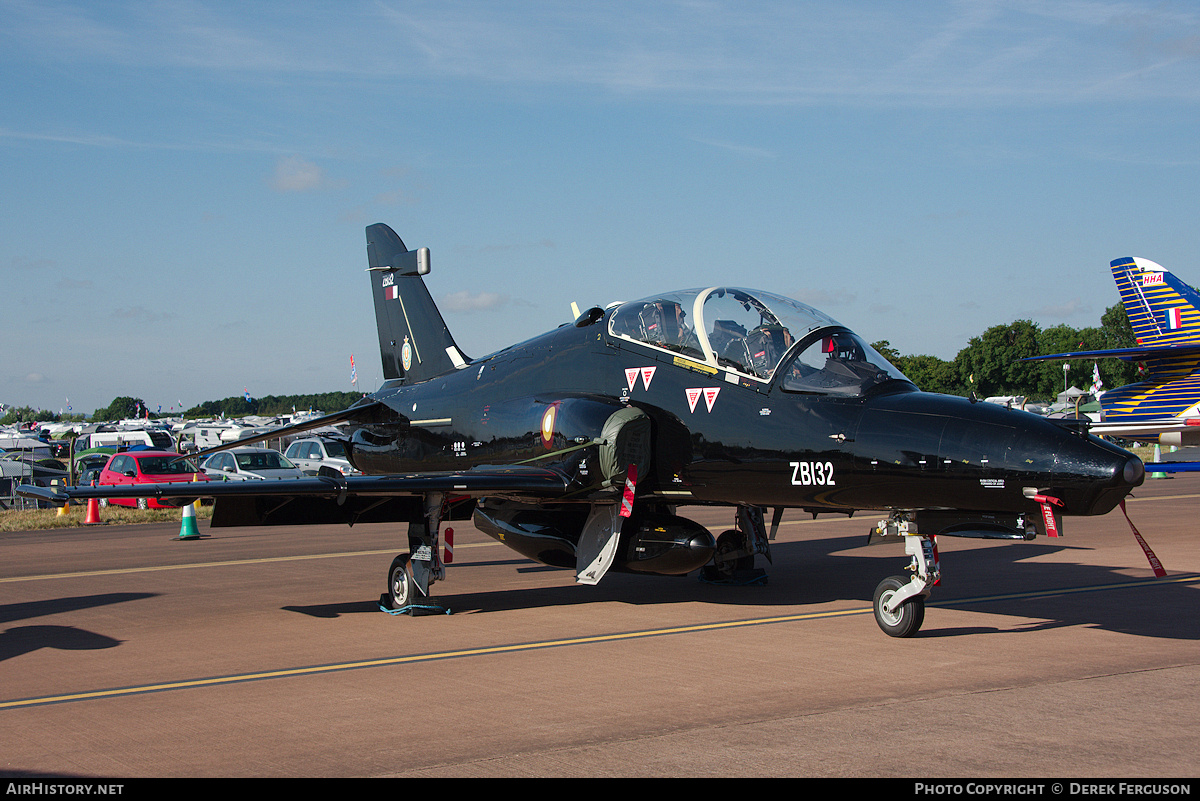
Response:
column 93, row 512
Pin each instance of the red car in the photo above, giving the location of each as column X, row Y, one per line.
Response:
column 147, row 467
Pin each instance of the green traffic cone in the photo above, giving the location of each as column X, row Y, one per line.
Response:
column 188, row 530
column 1157, row 458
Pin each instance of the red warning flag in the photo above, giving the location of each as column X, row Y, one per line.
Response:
column 630, row 488
column 1155, row 565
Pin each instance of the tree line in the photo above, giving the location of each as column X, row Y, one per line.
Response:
column 991, row 363
column 125, row 408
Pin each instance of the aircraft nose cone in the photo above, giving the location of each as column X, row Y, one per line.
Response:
column 1107, row 487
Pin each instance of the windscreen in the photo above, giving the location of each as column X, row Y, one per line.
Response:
column 739, row 329
column 264, row 460
column 165, row 466
column 753, row 333
column 838, row 363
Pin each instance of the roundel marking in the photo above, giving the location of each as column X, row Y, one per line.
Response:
column 548, row 425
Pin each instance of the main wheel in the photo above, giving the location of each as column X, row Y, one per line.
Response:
column 907, row 618
column 728, row 543
column 400, row 584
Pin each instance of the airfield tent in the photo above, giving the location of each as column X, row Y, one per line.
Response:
column 1074, row 394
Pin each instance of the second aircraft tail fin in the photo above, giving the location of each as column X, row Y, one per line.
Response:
column 413, row 339
column 1162, row 309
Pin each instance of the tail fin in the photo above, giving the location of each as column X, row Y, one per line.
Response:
column 1162, row 309
column 413, row 339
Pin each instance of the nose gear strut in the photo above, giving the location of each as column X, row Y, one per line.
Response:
column 899, row 601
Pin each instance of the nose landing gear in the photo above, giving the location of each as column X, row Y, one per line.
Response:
column 899, row 601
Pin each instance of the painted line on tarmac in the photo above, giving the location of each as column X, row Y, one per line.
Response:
column 1119, row 585
column 416, row 658
column 546, row 644
column 1133, row 498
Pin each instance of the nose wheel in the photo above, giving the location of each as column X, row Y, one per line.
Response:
column 902, row 619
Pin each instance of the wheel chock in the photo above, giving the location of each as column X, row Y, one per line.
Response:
column 429, row 606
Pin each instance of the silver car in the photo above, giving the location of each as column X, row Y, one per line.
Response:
column 249, row 463
column 321, row 457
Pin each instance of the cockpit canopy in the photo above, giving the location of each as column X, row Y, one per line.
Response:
column 756, row 334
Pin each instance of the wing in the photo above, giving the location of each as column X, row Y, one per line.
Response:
column 1128, row 354
column 323, row 499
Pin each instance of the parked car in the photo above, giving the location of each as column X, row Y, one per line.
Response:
column 146, row 467
column 89, row 476
column 320, row 457
column 93, row 457
column 240, row 464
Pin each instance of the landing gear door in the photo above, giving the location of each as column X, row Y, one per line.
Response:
column 598, row 543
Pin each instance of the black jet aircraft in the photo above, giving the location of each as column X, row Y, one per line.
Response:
column 578, row 447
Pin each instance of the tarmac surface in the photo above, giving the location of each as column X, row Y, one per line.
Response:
column 262, row 652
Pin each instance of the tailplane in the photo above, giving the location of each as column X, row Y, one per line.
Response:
column 413, row 339
column 1162, row 309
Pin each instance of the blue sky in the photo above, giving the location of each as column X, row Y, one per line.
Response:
column 185, row 184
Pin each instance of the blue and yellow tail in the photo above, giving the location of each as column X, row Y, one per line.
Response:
column 1165, row 315
column 1162, row 309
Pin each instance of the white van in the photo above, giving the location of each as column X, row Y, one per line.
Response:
column 199, row 437
column 123, row 440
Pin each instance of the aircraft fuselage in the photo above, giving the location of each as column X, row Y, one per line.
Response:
column 721, row 438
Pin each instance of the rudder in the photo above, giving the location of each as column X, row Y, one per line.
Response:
column 414, row 342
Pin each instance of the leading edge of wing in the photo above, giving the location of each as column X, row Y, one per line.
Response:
column 357, row 410
column 1122, row 353
column 535, row 481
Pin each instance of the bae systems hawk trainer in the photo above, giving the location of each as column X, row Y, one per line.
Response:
column 579, row 448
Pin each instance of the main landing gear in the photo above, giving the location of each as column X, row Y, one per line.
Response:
column 733, row 562
column 899, row 601
column 412, row 574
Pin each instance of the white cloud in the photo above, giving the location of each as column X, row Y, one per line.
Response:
column 1062, row 311
column 825, row 297
column 141, row 314
column 472, row 301
column 295, row 174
